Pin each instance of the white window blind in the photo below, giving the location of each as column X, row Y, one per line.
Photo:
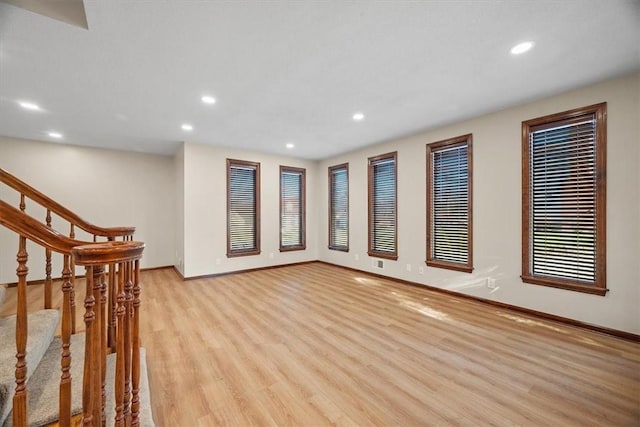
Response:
column 339, row 207
column 292, row 210
column 563, row 219
column 564, row 200
column 382, row 206
column 243, row 208
column 449, row 207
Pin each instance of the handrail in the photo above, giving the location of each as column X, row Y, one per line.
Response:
column 26, row 226
column 48, row 203
column 95, row 257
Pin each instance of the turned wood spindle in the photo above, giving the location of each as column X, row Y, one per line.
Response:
column 135, row 342
column 112, row 308
column 47, row 269
column 65, row 361
column 128, row 288
column 72, row 235
column 96, row 343
column 119, row 376
column 88, row 396
column 20, row 398
column 103, row 343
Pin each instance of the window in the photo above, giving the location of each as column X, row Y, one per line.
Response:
column 243, row 208
column 563, row 200
column 449, row 204
column 339, row 207
column 382, row 206
column 292, row 211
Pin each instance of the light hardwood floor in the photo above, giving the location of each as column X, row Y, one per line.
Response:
column 315, row 345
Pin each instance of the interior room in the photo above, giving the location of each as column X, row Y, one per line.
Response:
column 319, row 213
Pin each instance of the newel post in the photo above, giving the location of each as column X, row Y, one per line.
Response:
column 95, row 257
column 20, row 398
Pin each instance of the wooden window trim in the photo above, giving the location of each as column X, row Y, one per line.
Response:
column 303, row 209
column 436, row 146
column 599, row 111
column 331, row 169
column 256, row 250
column 372, row 160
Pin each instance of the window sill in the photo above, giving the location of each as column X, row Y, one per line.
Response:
column 561, row 284
column 243, row 253
column 292, row 248
column 339, row 248
column 382, row 255
column 449, row 266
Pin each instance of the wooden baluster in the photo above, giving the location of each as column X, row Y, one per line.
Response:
column 119, row 376
column 65, row 379
column 112, row 308
column 72, row 235
column 23, row 205
column 135, row 342
column 20, row 398
column 88, row 396
column 96, row 344
column 47, row 269
column 127, row 342
column 103, row 344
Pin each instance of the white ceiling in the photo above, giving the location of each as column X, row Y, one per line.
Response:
column 296, row 71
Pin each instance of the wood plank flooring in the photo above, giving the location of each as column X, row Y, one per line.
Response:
column 316, row 345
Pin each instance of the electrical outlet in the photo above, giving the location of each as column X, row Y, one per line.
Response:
column 380, row 263
column 217, row 261
column 271, row 255
column 408, row 267
column 491, row 283
column 357, row 257
column 421, row 270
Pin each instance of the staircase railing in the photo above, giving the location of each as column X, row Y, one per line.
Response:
column 53, row 208
column 122, row 257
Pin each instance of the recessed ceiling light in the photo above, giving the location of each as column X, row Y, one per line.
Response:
column 56, row 135
column 290, row 145
column 521, row 48
column 208, row 99
column 358, row 117
column 29, row 105
column 187, row 127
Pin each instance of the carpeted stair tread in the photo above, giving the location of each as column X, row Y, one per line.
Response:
column 41, row 328
column 146, row 418
column 44, row 386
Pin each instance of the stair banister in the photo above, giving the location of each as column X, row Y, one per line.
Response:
column 110, row 233
column 48, row 203
column 95, row 257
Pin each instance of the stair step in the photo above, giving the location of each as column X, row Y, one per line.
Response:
column 41, row 328
column 44, row 386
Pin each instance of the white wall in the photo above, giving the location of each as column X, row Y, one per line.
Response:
column 105, row 187
column 178, row 164
column 497, row 209
column 205, row 211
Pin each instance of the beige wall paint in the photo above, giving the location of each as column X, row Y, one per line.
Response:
column 178, row 164
column 497, row 209
column 179, row 205
column 105, row 187
column 205, row 211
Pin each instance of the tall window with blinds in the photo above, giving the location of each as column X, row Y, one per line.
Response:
column 449, row 204
column 563, row 214
column 339, row 207
column 292, row 208
column 382, row 206
column 243, row 208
